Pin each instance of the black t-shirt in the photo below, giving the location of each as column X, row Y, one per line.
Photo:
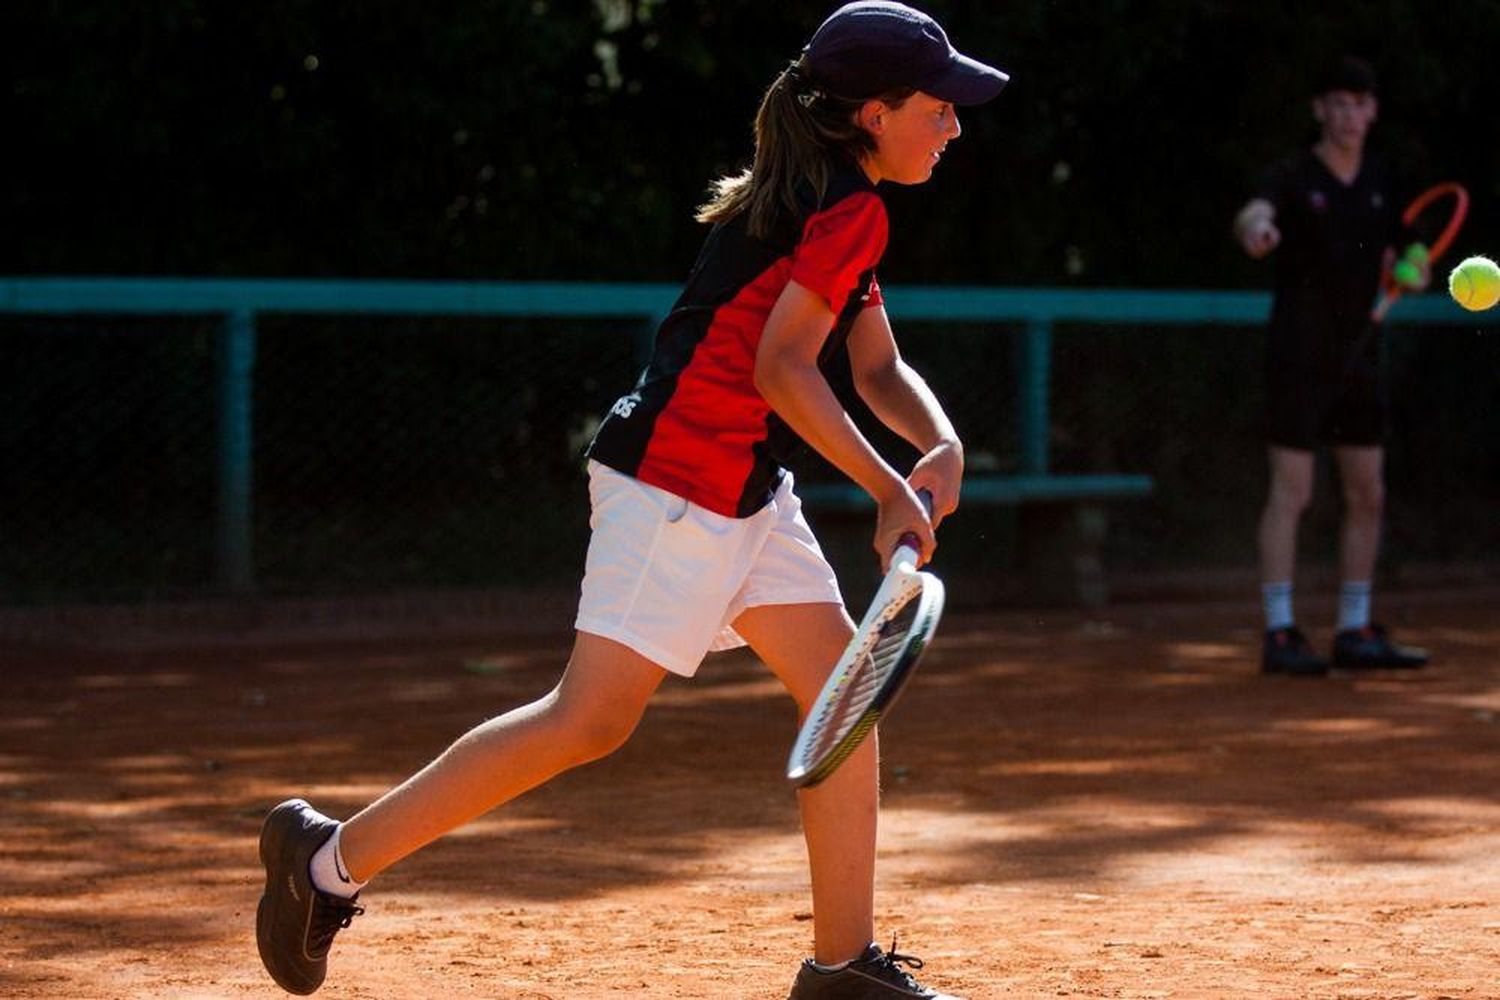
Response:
column 1333, row 240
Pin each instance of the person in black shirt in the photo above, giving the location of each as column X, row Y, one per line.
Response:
column 1331, row 214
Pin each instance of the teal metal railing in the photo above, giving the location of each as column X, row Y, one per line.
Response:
column 240, row 301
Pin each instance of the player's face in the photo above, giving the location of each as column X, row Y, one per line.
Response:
column 910, row 139
column 1346, row 117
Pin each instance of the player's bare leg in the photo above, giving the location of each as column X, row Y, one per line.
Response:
column 1288, row 496
column 1285, row 649
column 1360, row 644
column 591, row 712
column 1362, row 475
column 801, row 643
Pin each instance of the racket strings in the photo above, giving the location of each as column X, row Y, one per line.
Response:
column 864, row 681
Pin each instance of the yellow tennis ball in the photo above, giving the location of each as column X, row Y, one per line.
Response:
column 1475, row 283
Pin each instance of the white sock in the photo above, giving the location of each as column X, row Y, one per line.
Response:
column 1276, row 599
column 328, row 871
column 1354, row 604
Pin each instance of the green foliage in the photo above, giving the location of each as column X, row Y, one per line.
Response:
column 522, row 139
column 527, row 138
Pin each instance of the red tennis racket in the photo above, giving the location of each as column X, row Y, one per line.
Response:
column 1435, row 215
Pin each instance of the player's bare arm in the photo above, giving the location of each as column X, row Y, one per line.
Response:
column 1255, row 228
column 902, row 400
column 787, row 375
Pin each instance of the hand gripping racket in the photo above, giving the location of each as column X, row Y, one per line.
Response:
column 1435, row 215
column 874, row 667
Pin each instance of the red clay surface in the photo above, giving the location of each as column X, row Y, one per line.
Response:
column 1106, row 805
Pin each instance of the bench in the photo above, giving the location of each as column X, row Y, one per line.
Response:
column 1061, row 526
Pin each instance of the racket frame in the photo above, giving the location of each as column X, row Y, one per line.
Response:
column 1390, row 288
column 902, row 585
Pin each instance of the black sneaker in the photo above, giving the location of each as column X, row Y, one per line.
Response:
column 1287, row 651
column 295, row 923
column 875, row 975
column 1371, row 648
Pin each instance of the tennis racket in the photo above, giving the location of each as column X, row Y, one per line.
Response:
column 874, row 667
column 1435, row 216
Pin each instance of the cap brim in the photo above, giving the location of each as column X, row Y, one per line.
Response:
column 966, row 81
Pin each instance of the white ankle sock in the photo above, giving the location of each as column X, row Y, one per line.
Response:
column 1276, row 600
column 328, row 871
column 1354, row 604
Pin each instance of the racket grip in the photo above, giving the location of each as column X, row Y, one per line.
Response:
column 909, row 540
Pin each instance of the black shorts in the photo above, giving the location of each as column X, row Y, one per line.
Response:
column 1310, row 407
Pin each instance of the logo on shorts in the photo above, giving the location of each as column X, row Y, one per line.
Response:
column 625, row 405
column 1317, row 201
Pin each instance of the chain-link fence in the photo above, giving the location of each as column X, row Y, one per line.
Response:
column 392, row 454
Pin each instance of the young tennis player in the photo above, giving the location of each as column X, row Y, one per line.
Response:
column 1335, row 217
column 698, row 540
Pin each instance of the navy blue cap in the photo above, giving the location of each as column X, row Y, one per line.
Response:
column 867, row 48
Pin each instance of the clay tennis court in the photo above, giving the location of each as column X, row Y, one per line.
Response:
column 1103, row 805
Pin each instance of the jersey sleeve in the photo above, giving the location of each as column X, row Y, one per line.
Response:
column 874, row 298
column 838, row 245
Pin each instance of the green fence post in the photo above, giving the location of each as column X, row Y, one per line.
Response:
column 1033, row 417
column 235, row 550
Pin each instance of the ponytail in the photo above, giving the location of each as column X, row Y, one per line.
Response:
column 801, row 132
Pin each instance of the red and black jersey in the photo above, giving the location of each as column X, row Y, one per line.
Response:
column 695, row 424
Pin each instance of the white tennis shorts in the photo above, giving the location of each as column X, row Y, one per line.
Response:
column 667, row 578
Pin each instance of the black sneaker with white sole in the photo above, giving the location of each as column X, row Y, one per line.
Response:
column 1371, row 648
column 1287, row 651
column 875, row 975
column 295, row 922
